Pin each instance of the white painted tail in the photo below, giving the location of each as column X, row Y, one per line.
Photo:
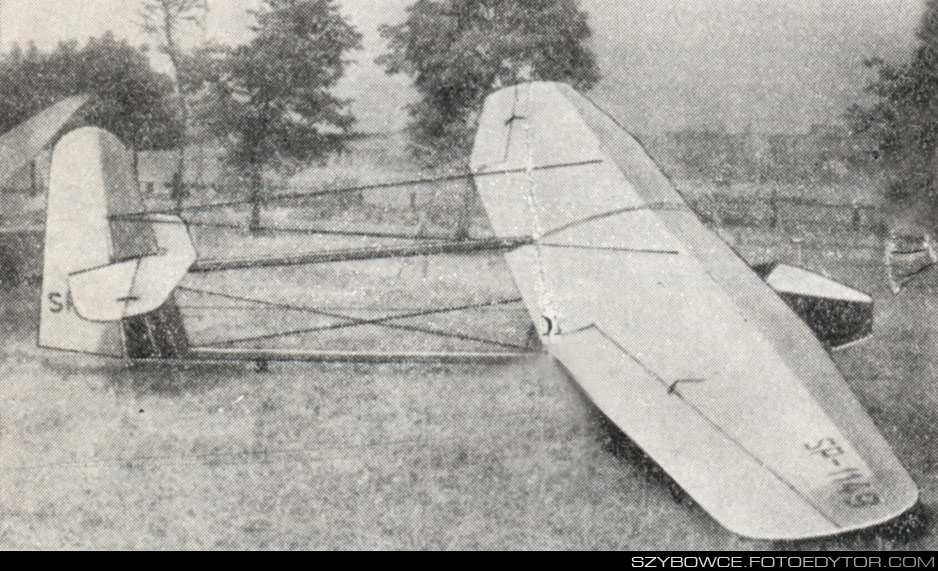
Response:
column 107, row 265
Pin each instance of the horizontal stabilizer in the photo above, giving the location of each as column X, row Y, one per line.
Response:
column 838, row 314
column 137, row 286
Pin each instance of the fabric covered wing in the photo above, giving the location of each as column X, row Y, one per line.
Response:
column 671, row 335
column 77, row 238
column 20, row 145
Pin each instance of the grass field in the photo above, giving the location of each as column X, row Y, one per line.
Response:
column 96, row 454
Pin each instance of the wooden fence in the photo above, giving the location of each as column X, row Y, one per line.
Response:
column 777, row 211
column 20, row 250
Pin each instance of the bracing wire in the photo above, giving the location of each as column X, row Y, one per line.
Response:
column 351, row 321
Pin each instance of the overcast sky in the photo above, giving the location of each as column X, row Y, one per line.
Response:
column 777, row 65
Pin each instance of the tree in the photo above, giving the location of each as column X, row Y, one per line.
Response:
column 274, row 106
column 131, row 100
column 167, row 20
column 458, row 51
column 902, row 120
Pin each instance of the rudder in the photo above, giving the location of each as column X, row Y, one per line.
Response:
column 109, row 270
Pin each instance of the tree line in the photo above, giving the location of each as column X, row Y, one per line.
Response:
column 901, row 122
column 271, row 102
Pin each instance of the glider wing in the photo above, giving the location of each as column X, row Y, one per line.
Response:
column 671, row 334
column 20, row 145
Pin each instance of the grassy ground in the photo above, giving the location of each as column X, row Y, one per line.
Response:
column 94, row 454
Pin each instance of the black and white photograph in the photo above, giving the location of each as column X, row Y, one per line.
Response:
column 655, row 276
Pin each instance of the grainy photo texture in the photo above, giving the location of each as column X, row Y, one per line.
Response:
column 469, row 274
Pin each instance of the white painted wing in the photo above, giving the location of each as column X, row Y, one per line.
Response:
column 23, row 142
column 671, row 335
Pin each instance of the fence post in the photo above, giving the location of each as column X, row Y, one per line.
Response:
column 178, row 192
column 857, row 219
column 257, row 189
column 464, row 217
column 773, row 206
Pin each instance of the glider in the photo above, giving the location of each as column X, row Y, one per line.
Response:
column 722, row 380
column 20, row 145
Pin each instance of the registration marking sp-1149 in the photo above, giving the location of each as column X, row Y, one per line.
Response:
column 852, row 483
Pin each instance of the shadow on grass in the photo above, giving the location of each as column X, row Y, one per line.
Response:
column 170, row 379
column 173, row 379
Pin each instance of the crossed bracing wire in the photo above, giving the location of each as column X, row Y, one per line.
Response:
column 349, row 322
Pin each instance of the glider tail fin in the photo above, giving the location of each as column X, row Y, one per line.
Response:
column 109, row 268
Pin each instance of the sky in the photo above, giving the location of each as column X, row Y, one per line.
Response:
column 768, row 65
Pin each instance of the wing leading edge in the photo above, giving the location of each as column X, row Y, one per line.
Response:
column 23, row 142
column 672, row 335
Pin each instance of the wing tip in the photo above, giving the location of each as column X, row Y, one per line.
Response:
column 788, row 533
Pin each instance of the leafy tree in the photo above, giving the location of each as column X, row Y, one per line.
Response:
column 458, row 51
column 131, row 100
column 274, row 105
column 902, row 120
column 169, row 21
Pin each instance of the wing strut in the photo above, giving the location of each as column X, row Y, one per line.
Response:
column 320, row 193
column 359, row 254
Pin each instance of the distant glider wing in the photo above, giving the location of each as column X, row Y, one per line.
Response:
column 908, row 257
column 670, row 334
column 23, row 143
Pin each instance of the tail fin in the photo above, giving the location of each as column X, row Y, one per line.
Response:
column 109, row 270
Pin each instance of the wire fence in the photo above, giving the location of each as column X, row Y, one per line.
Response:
column 774, row 210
